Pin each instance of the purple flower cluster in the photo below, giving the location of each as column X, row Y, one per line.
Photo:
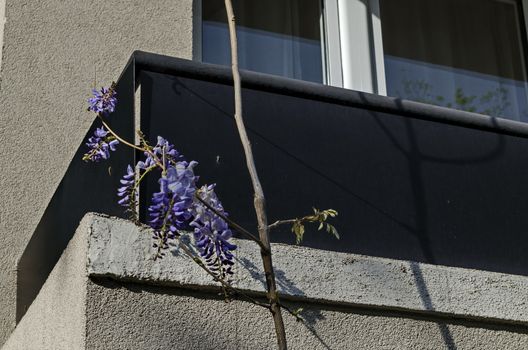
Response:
column 103, row 101
column 170, row 208
column 100, row 145
column 163, row 152
column 128, row 193
column 212, row 233
column 174, row 208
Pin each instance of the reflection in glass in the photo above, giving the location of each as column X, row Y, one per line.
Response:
column 463, row 54
column 280, row 37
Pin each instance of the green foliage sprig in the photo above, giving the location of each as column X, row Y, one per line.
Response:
column 319, row 216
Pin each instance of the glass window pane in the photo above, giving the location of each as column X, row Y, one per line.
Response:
column 463, row 54
column 281, row 37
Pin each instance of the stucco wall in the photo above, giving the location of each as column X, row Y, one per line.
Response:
column 131, row 316
column 106, row 292
column 57, row 318
column 53, row 51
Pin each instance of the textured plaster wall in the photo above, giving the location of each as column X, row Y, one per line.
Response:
column 57, row 318
column 51, row 51
column 106, row 292
column 2, row 23
column 129, row 316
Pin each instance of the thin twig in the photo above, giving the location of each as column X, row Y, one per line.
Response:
column 293, row 313
column 232, row 223
column 119, row 137
column 282, row 222
column 148, row 149
column 259, row 200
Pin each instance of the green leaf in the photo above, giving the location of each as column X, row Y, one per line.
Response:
column 298, row 229
column 332, row 230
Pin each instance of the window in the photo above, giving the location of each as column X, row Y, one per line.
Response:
column 463, row 54
column 281, row 37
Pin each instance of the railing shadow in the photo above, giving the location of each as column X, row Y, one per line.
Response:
column 427, row 303
column 309, row 317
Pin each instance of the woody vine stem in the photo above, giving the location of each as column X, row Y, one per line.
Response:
column 259, row 199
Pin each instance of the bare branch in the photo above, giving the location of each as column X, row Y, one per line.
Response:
column 259, row 200
column 117, row 136
column 294, row 313
column 232, row 223
column 281, row 222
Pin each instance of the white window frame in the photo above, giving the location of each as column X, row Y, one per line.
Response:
column 354, row 45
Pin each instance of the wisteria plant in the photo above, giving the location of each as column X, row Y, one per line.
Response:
column 183, row 206
column 180, row 206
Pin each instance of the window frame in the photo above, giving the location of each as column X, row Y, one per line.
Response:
column 353, row 38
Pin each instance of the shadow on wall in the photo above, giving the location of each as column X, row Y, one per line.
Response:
column 310, row 316
column 84, row 188
column 415, row 160
column 192, row 316
column 421, row 286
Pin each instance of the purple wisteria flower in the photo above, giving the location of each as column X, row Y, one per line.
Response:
column 100, row 145
column 174, row 208
column 103, row 101
column 162, row 151
column 212, row 233
column 128, row 193
column 170, row 208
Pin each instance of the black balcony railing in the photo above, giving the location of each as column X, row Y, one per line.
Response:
column 410, row 181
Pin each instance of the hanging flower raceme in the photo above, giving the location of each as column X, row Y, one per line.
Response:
column 128, row 193
column 170, row 208
column 100, row 144
column 162, row 152
column 212, row 233
column 103, row 101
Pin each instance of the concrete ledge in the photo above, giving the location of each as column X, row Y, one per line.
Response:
column 106, row 292
column 122, row 251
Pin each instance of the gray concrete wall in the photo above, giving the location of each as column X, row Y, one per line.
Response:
column 51, row 51
column 57, row 318
column 132, row 316
column 108, row 293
